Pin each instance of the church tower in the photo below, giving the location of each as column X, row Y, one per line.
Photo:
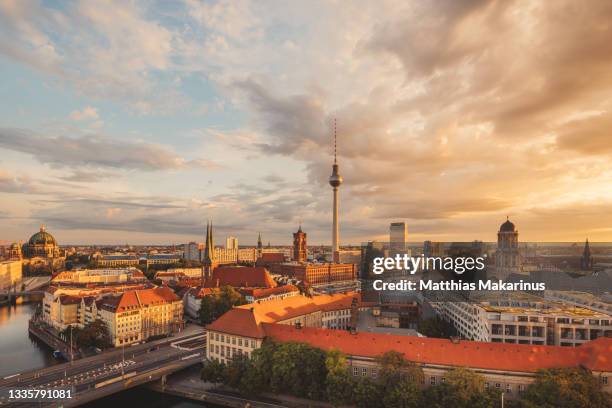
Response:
column 208, row 263
column 259, row 246
column 300, row 252
column 586, row 262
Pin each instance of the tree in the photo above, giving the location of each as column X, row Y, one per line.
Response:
column 93, row 334
column 212, row 371
column 235, row 370
column 436, row 327
column 299, row 369
column 463, row 389
column 399, row 380
column 368, row 394
column 216, row 304
column 566, row 388
column 339, row 383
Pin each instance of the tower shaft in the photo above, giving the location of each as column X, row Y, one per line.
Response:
column 335, row 229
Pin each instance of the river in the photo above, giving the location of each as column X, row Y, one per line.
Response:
column 20, row 352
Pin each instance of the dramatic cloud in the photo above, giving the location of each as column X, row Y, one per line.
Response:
column 96, row 151
column 451, row 115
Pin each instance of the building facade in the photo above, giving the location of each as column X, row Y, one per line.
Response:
column 300, row 250
column 316, row 273
column 526, row 322
column 398, row 238
column 507, row 256
column 240, row 330
column 10, row 274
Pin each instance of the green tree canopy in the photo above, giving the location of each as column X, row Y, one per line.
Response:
column 566, row 388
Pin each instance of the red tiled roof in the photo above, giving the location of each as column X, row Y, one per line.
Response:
column 595, row 355
column 240, row 276
column 262, row 293
column 238, row 322
column 135, row 299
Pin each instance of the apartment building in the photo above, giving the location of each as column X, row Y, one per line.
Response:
column 526, row 321
column 131, row 314
column 137, row 315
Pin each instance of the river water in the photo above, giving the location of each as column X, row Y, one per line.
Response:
column 20, row 352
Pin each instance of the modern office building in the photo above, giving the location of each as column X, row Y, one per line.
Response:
column 398, row 238
column 526, row 321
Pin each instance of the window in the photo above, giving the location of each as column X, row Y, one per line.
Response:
column 364, row 372
column 355, row 371
column 508, row 389
column 432, row 380
column 374, row 373
column 486, row 386
column 443, row 380
column 521, row 388
column 604, row 380
column 497, row 385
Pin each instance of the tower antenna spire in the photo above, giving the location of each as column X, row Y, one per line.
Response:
column 335, row 144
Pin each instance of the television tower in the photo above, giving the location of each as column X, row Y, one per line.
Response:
column 335, row 180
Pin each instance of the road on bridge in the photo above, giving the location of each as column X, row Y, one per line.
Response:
column 106, row 373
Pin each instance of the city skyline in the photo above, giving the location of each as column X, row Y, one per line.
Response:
column 136, row 129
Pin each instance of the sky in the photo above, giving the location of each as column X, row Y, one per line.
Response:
column 136, row 121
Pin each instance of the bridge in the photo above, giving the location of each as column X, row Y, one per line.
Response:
column 110, row 372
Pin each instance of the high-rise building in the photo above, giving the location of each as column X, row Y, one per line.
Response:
column 335, row 180
column 300, row 252
column 398, row 235
column 231, row 243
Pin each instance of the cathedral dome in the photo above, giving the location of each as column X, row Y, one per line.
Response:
column 507, row 227
column 42, row 238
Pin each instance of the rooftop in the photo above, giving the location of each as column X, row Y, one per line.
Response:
column 595, row 355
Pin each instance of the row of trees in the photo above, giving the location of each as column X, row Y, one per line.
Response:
column 304, row 371
column 216, row 304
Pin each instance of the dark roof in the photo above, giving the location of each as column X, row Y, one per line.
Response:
column 507, row 226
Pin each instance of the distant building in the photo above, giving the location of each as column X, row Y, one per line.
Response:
column 317, row 273
column 116, row 261
column 255, row 295
column 300, row 251
column 231, row 243
column 398, row 237
column 192, row 251
column 507, row 256
column 42, row 244
column 99, row 276
column 586, row 261
column 10, row 274
column 240, row 277
column 163, row 259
